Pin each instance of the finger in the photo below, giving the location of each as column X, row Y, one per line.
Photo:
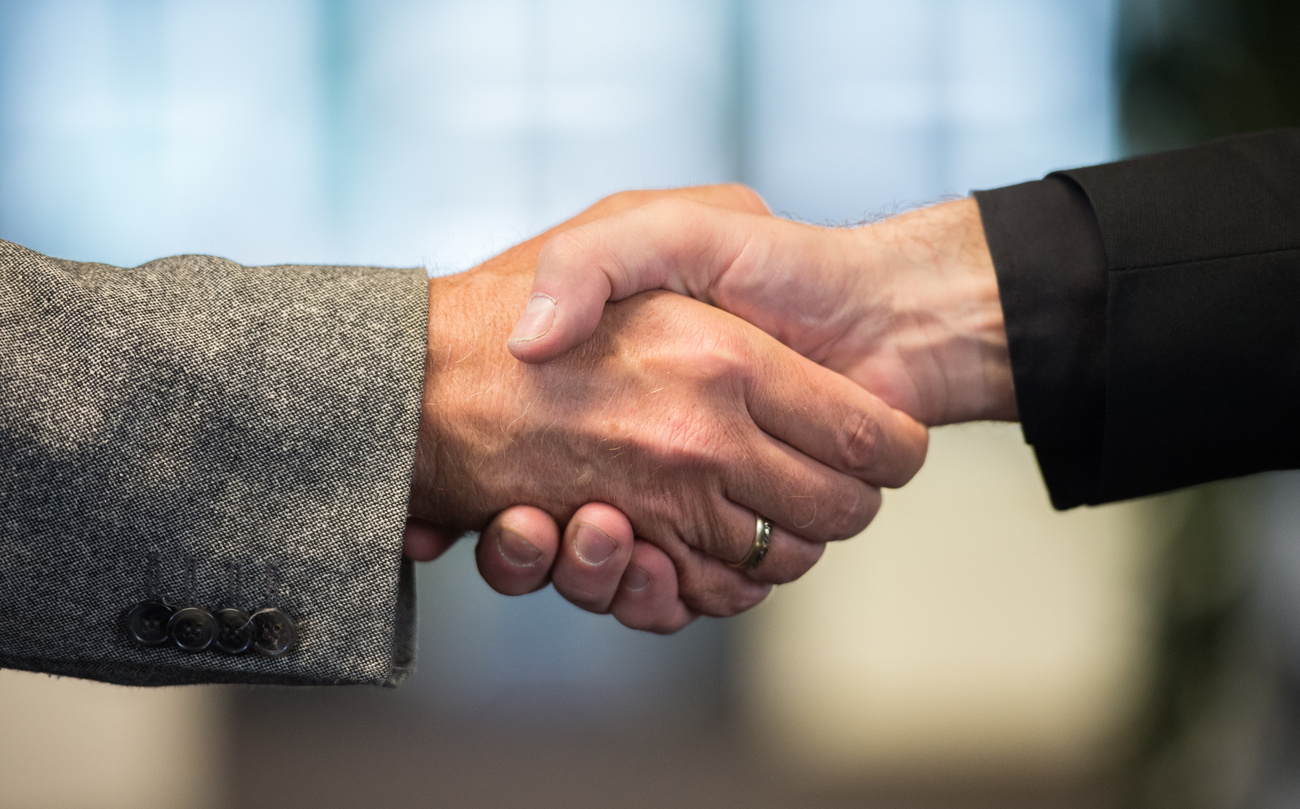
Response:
column 647, row 595
column 675, row 244
column 422, row 542
column 705, row 584
column 789, row 556
column 593, row 556
column 713, row 588
column 515, row 552
column 800, row 494
column 830, row 418
column 709, row 587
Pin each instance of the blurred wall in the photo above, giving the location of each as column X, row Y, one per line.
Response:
column 74, row 743
column 972, row 636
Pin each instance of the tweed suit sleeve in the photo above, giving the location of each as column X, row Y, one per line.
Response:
column 207, row 434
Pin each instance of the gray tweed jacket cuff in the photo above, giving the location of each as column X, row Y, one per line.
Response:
column 198, row 433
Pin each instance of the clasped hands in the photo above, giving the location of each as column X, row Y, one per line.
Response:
column 685, row 361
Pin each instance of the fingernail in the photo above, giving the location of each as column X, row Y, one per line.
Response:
column 593, row 545
column 537, row 319
column 636, row 578
column 517, row 550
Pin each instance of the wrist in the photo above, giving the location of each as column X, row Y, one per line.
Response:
column 945, row 313
column 474, row 410
column 425, row 469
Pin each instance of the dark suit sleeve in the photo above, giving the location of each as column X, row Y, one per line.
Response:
column 1151, row 308
column 200, row 433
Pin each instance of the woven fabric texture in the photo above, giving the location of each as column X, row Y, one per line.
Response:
column 209, row 434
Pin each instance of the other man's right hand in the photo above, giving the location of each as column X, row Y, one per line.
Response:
column 907, row 307
column 681, row 416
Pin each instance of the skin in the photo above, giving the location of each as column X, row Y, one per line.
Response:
column 907, row 308
column 678, row 415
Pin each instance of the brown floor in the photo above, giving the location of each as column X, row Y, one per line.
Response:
column 331, row 748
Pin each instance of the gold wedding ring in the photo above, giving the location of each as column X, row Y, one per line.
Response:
column 762, row 541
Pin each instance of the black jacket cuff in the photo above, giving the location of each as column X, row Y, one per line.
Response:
column 1051, row 268
column 1150, row 312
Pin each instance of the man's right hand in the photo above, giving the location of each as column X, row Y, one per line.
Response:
column 683, row 417
column 908, row 308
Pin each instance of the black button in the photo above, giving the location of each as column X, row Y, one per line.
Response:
column 273, row 632
column 146, row 623
column 192, row 628
column 234, row 631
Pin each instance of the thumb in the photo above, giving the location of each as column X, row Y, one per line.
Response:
column 673, row 244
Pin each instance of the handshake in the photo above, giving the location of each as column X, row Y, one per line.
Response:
column 700, row 393
column 663, row 407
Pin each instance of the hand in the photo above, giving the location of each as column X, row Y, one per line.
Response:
column 907, row 307
column 681, row 416
column 424, row 542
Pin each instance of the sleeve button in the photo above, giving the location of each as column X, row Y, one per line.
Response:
column 234, row 631
column 192, row 629
column 146, row 623
column 274, row 633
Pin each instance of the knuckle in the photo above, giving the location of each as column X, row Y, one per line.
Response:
column 799, row 558
column 682, row 214
column 621, row 201
column 719, row 540
column 564, row 249
column 860, row 443
column 745, row 198
column 685, row 439
column 717, row 356
column 709, row 444
column 703, row 602
column 724, row 596
column 630, row 195
column 672, row 205
column 850, row 513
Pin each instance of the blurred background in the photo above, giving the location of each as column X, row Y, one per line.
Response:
column 972, row 648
